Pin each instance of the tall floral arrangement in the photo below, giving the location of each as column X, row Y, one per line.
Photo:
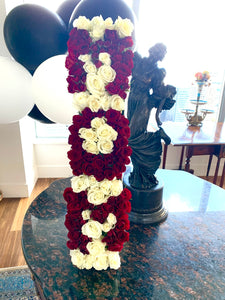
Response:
column 99, row 63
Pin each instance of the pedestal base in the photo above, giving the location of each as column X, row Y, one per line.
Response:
column 147, row 205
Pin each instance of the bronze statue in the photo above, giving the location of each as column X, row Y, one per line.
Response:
column 147, row 91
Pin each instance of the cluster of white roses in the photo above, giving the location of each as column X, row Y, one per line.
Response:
column 99, row 138
column 98, row 192
column 96, row 97
column 97, row 26
column 99, row 258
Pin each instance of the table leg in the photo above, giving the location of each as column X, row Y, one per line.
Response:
column 189, row 152
column 216, row 171
column 181, row 158
column 164, row 155
column 209, row 164
column 223, row 176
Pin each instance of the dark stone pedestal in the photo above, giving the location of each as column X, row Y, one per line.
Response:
column 147, row 205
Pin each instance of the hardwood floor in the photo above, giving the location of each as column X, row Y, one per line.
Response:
column 12, row 211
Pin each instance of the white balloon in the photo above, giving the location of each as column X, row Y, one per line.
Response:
column 16, row 99
column 49, row 87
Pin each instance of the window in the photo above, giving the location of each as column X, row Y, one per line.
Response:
column 193, row 33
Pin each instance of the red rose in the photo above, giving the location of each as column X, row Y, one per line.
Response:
column 98, row 63
column 122, row 94
column 127, row 42
column 98, row 163
column 112, row 116
column 122, row 222
column 109, row 173
column 76, row 167
column 125, row 195
column 112, row 88
column 115, row 247
column 100, row 213
column 74, row 155
column 123, row 236
column 99, row 175
column 76, row 70
column 123, row 121
column 74, row 235
column 69, row 195
column 87, row 113
column 72, row 244
column 112, row 36
column 70, row 60
column 88, row 169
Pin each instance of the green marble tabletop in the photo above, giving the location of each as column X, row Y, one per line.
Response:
column 181, row 258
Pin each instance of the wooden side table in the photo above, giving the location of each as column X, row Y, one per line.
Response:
column 206, row 140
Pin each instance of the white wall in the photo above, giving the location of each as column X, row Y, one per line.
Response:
column 18, row 172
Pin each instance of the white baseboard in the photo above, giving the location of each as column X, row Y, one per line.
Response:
column 14, row 190
column 54, row 171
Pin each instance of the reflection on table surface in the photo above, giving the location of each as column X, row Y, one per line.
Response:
column 209, row 133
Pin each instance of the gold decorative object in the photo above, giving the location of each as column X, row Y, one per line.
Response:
column 195, row 117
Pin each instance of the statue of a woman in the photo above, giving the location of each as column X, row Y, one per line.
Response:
column 147, row 92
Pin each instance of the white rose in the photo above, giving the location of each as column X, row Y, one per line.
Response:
column 79, row 183
column 96, row 196
column 92, row 180
column 106, row 132
column 105, row 186
column 124, row 27
column 94, row 103
column 95, row 84
column 117, row 103
column 89, row 67
column 104, row 57
column 92, row 229
column 107, row 73
column 90, row 147
column 97, row 21
column 88, row 134
column 105, row 102
column 88, row 262
column 82, row 23
column 97, row 33
column 85, row 57
column 80, row 100
column 78, row 259
column 86, row 214
column 111, row 219
column 116, row 187
column 101, row 262
column 97, row 122
column 97, row 28
column 109, row 24
column 105, row 146
column 106, row 227
column 114, row 259
column 96, row 247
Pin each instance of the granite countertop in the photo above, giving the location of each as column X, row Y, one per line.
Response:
column 181, row 258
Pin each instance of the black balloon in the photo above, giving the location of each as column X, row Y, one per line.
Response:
column 33, row 34
column 66, row 9
column 106, row 8
column 38, row 116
